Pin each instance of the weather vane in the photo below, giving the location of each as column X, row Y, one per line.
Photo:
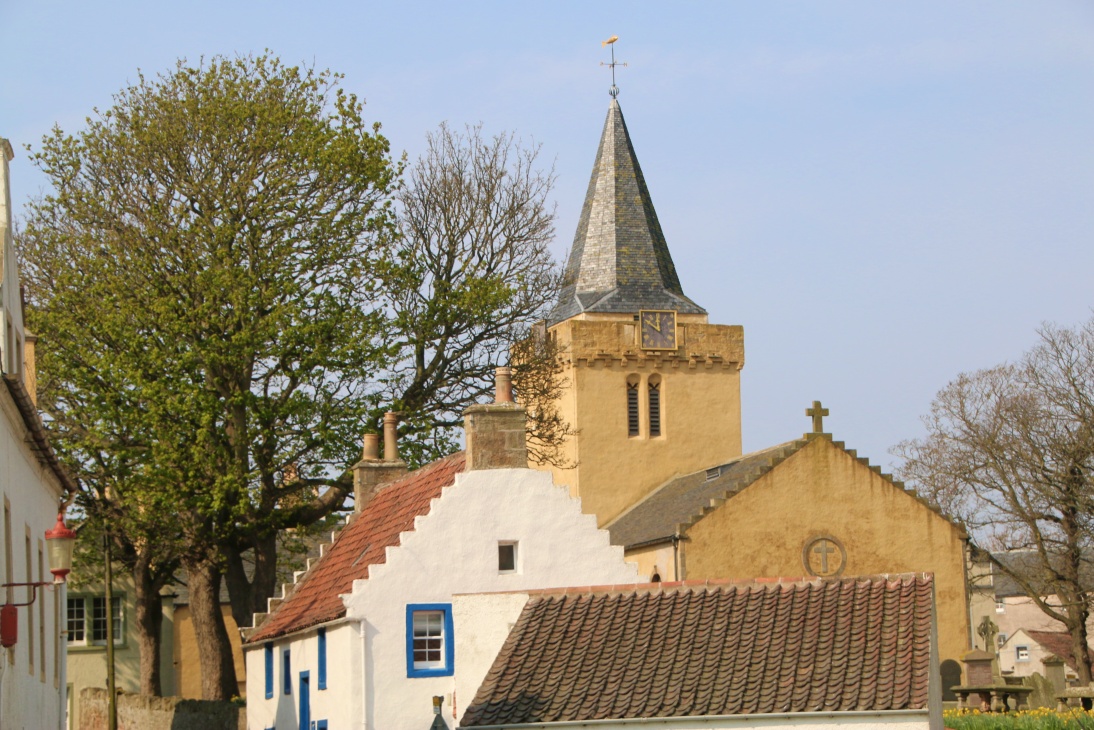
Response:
column 614, row 91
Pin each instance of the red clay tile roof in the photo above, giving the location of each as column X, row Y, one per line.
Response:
column 720, row 649
column 1058, row 643
column 361, row 544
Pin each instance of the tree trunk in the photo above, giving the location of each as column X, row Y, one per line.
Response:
column 149, row 624
column 218, row 676
column 248, row 596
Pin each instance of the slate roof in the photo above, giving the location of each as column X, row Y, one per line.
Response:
column 682, row 499
column 619, row 261
column 360, row 545
column 1058, row 643
column 716, row 648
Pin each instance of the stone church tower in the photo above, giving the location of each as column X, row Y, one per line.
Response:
column 652, row 389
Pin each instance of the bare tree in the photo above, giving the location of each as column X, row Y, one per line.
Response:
column 539, row 383
column 469, row 275
column 1010, row 451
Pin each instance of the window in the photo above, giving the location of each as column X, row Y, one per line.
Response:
column 655, row 406
column 429, row 645
column 1000, row 607
column 1021, row 653
column 87, row 619
column 632, row 406
column 286, row 672
column 507, row 557
column 268, row 650
column 322, row 636
column 1000, row 640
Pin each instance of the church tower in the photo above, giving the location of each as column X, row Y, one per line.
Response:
column 651, row 388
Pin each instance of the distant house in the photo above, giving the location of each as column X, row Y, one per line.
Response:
column 32, row 488
column 366, row 637
column 1024, row 653
column 718, row 654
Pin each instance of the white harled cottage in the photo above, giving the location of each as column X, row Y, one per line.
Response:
column 366, row 637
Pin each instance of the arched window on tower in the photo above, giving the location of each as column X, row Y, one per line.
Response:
column 632, row 406
column 654, row 390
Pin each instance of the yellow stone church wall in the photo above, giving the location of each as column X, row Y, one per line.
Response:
column 821, row 490
column 700, row 407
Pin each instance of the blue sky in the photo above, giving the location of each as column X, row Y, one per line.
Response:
column 883, row 194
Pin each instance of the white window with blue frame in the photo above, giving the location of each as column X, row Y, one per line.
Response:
column 430, row 649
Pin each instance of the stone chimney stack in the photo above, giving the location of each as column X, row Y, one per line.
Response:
column 371, row 472
column 30, row 369
column 496, row 432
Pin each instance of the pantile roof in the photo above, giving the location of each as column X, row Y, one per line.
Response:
column 619, row 261
column 713, row 648
column 316, row 598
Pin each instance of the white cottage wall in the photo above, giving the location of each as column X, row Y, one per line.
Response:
column 453, row 549
column 29, row 494
column 484, row 620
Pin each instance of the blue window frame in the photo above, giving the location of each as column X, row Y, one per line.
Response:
column 322, row 636
column 286, row 672
column 430, row 649
column 268, row 648
column 305, row 701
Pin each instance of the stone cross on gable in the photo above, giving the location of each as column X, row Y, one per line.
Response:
column 818, row 413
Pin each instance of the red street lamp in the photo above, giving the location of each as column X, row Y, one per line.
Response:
column 60, row 540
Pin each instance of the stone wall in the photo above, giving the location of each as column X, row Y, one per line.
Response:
column 137, row 712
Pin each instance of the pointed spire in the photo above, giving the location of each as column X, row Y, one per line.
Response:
column 619, row 261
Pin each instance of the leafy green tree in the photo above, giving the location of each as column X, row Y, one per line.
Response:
column 1009, row 451
column 200, row 280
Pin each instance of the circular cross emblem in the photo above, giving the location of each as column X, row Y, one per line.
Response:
column 824, row 557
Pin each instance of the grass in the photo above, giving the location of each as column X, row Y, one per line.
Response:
column 1040, row 719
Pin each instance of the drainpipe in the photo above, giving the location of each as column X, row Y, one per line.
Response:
column 62, row 636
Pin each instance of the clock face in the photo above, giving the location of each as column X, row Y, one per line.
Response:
column 658, row 330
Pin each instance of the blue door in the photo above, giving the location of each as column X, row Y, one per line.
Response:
column 305, row 702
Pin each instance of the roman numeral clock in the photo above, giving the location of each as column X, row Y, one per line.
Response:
column 658, row 329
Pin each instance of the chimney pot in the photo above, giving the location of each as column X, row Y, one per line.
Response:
column 372, row 447
column 503, row 385
column 391, row 423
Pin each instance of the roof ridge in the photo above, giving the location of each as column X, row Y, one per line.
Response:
column 717, row 583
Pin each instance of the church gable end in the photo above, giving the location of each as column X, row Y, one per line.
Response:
column 825, row 512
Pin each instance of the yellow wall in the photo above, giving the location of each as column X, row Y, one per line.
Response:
column 823, row 490
column 700, row 406
column 187, row 663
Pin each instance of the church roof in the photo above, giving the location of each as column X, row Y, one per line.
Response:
column 316, row 598
column 677, row 503
column 713, row 648
column 683, row 501
column 620, row 261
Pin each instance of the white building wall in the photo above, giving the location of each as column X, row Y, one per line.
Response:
column 29, row 498
column 453, row 549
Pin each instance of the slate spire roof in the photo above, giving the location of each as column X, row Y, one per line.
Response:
column 620, row 261
column 713, row 649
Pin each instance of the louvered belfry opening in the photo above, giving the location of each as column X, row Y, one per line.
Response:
column 655, row 407
column 632, row 408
